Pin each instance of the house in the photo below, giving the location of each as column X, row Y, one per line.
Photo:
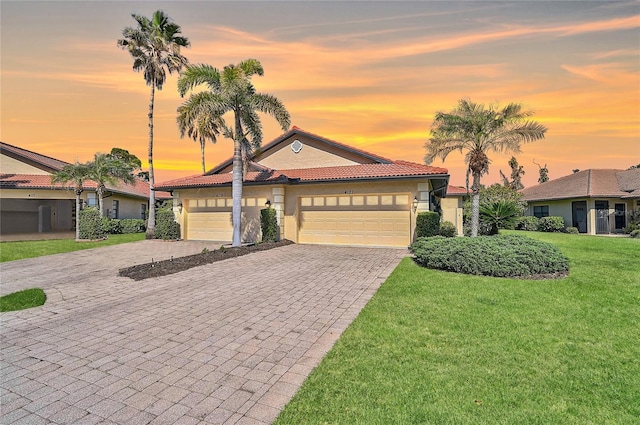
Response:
column 323, row 191
column 594, row 201
column 30, row 203
column 453, row 205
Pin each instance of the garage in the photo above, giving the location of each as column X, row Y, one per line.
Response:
column 211, row 219
column 369, row 220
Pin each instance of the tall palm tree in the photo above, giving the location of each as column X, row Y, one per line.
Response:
column 231, row 90
column 77, row 174
column 199, row 123
column 107, row 169
column 478, row 130
column 155, row 47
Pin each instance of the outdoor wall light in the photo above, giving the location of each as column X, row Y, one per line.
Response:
column 180, row 207
column 268, row 204
column 414, row 204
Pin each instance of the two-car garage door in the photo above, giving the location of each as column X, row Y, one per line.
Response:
column 373, row 220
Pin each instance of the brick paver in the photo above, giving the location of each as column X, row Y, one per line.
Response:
column 228, row 343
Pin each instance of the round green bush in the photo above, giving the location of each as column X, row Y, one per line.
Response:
column 572, row 230
column 499, row 256
column 551, row 224
column 635, row 234
column 528, row 222
column 448, row 229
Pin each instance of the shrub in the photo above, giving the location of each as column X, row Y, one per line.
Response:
column 499, row 215
column 427, row 224
column 500, row 255
column 528, row 222
column 572, row 230
column 269, row 225
column 167, row 227
column 635, row 234
column 448, row 229
column 132, row 225
column 551, row 224
column 91, row 224
column 484, row 228
column 111, row 226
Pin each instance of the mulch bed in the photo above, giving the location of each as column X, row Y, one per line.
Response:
column 175, row 265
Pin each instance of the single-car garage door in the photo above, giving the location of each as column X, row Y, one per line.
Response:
column 373, row 220
column 210, row 219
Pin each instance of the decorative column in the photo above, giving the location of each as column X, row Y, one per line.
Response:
column 277, row 203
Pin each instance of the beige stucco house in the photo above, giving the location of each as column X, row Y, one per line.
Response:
column 30, row 203
column 324, row 192
column 594, row 201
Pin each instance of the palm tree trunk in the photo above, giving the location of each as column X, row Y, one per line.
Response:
column 475, row 204
column 236, row 185
column 78, row 214
column 151, row 223
column 100, row 191
column 202, row 155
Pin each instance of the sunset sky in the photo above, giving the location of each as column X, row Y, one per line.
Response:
column 367, row 74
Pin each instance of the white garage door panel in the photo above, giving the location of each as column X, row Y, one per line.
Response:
column 377, row 228
column 210, row 226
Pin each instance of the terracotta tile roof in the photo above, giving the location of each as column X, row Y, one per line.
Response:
column 43, row 181
column 456, row 190
column 397, row 169
column 587, row 184
column 46, row 161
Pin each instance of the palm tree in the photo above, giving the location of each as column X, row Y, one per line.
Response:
column 107, row 169
column 478, row 130
column 155, row 47
column 199, row 123
column 75, row 173
column 231, row 90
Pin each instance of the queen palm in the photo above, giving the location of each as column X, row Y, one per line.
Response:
column 76, row 174
column 231, row 90
column 155, row 47
column 478, row 130
column 107, row 169
column 199, row 123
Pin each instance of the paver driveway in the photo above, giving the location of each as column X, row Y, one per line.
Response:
column 229, row 342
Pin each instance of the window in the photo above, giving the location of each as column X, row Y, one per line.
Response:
column 541, row 211
column 143, row 211
column 92, row 200
column 116, row 208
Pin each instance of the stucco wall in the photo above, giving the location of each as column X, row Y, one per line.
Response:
column 9, row 165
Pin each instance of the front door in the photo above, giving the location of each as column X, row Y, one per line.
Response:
column 621, row 216
column 579, row 209
column 602, row 216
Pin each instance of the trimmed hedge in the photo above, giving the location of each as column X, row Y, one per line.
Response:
column 551, row 224
column 111, row 226
column 269, row 225
column 132, row 225
column 167, row 227
column 528, row 222
column 91, row 224
column 427, row 224
column 499, row 256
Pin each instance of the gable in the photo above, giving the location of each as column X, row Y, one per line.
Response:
column 10, row 165
column 314, row 152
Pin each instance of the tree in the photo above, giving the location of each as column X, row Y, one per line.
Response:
column 499, row 215
column 494, row 194
column 478, row 130
column 107, row 169
column 517, row 171
column 77, row 174
column 231, row 90
column 544, row 172
column 155, row 47
column 199, row 123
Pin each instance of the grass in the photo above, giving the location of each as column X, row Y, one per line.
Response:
column 22, row 300
column 10, row 251
column 433, row 347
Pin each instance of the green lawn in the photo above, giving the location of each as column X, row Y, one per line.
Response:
column 10, row 251
column 21, row 300
column 439, row 348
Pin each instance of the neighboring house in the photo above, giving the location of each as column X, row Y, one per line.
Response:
column 453, row 205
column 324, row 192
column 594, row 201
column 30, row 203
